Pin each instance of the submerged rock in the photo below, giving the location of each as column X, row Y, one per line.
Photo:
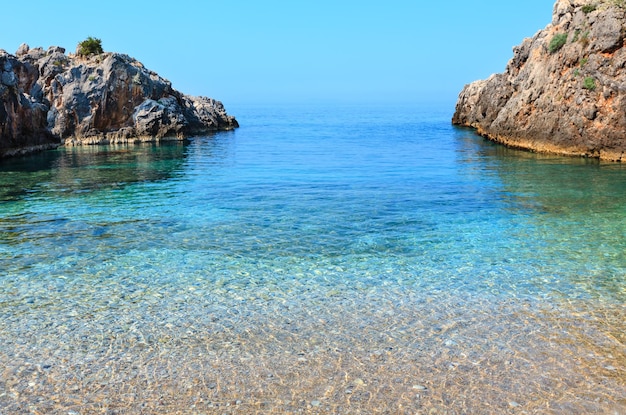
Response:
column 48, row 98
column 564, row 90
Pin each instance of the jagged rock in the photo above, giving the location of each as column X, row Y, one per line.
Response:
column 159, row 118
column 568, row 99
column 49, row 99
column 23, row 125
column 22, row 50
column 55, row 49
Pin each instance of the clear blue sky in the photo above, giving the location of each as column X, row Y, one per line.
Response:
column 241, row 51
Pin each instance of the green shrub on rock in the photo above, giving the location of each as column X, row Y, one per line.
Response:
column 557, row 42
column 588, row 8
column 589, row 83
column 89, row 46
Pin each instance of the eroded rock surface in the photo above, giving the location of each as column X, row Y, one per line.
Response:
column 566, row 97
column 48, row 98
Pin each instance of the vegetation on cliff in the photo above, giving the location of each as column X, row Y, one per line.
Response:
column 90, row 46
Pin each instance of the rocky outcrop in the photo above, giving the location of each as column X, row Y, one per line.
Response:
column 23, row 117
column 564, row 90
column 49, row 98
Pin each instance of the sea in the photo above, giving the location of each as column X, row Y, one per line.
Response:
column 354, row 258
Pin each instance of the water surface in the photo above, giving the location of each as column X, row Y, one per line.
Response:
column 323, row 259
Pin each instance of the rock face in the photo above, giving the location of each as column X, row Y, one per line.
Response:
column 564, row 90
column 49, row 98
column 23, row 117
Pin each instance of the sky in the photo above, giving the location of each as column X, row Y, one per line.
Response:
column 241, row 51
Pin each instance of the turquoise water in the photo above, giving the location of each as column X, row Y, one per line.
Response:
column 345, row 228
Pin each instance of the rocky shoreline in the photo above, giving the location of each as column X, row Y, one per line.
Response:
column 49, row 98
column 564, row 90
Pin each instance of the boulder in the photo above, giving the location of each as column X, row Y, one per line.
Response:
column 22, row 50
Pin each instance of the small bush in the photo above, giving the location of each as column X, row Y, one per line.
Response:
column 584, row 40
column 583, row 62
column 90, row 46
column 588, row 8
column 557, row 42
column 589, row 83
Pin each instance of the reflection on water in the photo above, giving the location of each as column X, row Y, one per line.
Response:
column 87, row 168
column 373, row 262
column 547, row 183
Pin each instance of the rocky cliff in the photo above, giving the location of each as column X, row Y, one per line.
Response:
column 564, row 90
column 49, row 98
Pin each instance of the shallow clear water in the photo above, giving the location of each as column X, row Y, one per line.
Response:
column 333, row 259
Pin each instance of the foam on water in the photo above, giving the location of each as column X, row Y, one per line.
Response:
column 333, row 260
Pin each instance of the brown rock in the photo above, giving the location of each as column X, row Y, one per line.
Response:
column 568, row 101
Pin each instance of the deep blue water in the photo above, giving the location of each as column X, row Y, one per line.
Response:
column 301, row 206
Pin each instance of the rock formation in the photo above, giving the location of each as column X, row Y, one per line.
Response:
column 564, row 90
column 48, row 98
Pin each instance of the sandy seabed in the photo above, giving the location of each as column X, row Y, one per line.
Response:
column 365, row 353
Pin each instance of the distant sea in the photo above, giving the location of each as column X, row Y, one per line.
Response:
column 339, row 259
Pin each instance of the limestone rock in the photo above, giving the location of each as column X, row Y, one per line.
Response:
column 566, row 98
column 49, row 98
column 22, row 50
column 23, row 125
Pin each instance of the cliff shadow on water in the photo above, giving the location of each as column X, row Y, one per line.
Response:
column 71, row 170
column 547, row 183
